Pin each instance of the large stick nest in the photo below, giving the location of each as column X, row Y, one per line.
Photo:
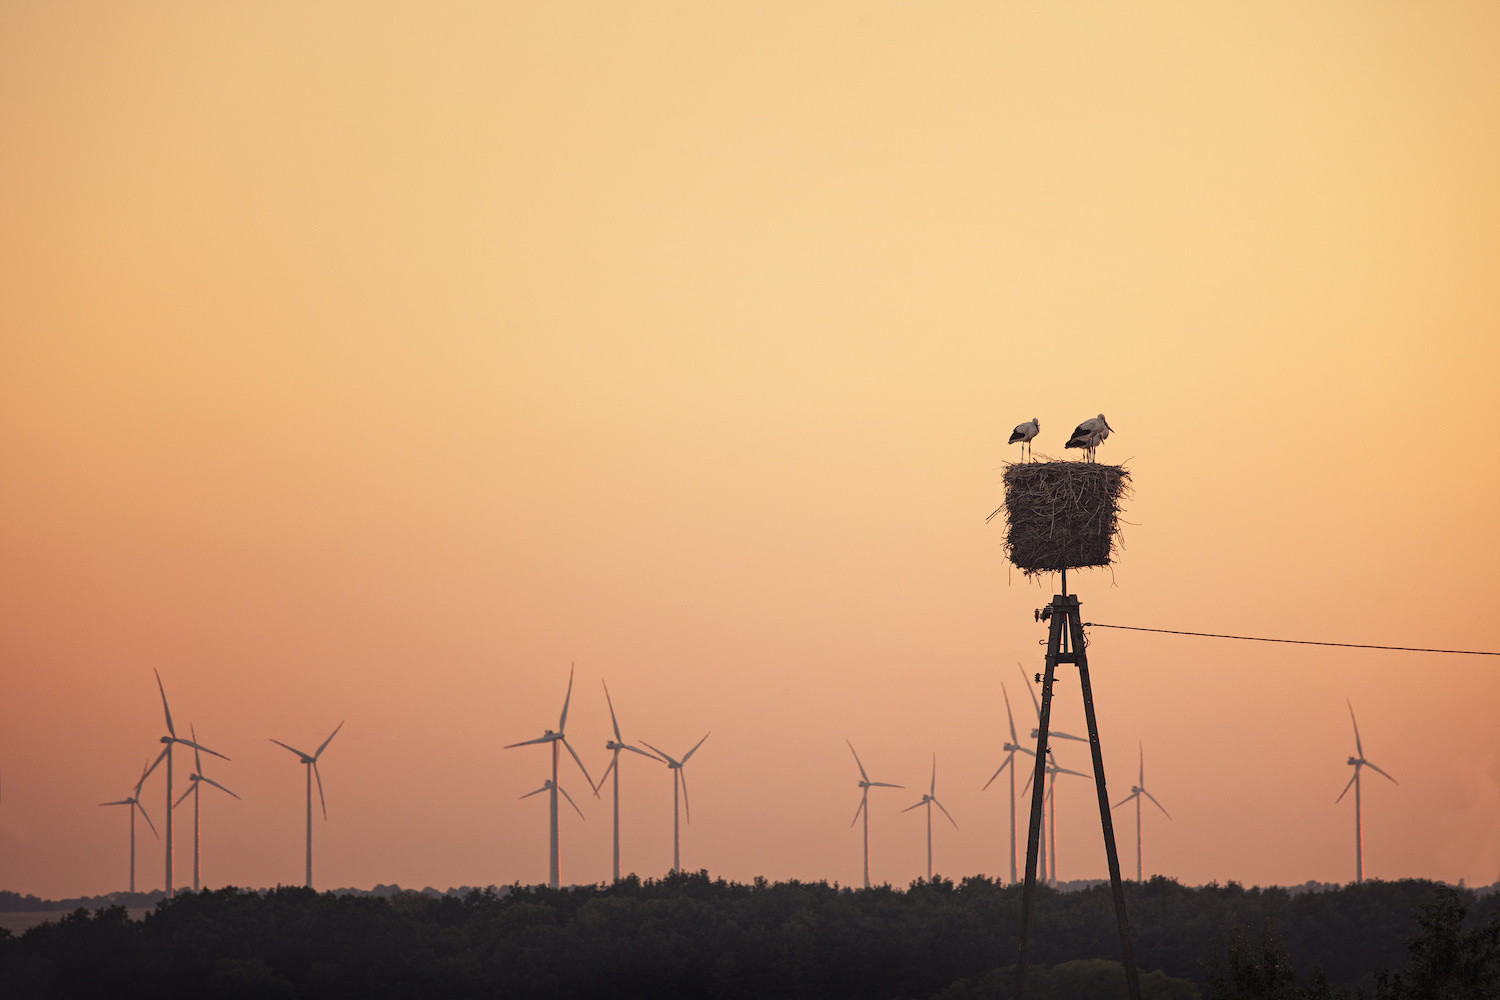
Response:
column 1063, row 515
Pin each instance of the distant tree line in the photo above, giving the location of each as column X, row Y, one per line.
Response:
column 692, row 936
column 12, row 902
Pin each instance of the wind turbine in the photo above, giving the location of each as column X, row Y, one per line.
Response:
column 197, row 779
column 865, row 784
column 134, row 802
column 1052, row 769
column 1136, row 791
column 311, row 760
column 1047, row 823
column 1010, row 748
column 679, row 777
column 1357, row 763
column 929, row 800
column 166, row 754
column 617, row 744
column 556, row 738
column 1035, row 732
column 548, row 786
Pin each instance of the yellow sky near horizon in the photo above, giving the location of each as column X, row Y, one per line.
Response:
column 376, row 362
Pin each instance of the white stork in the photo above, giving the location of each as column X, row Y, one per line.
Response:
column 1089, row 434
column 1025, row 432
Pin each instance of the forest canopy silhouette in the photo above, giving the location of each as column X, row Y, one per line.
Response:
column 689, row 935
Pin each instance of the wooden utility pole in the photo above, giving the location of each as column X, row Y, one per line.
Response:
column 1065, row 630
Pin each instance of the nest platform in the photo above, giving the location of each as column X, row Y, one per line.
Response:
column 1062, row 515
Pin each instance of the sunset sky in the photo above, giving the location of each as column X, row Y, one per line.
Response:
column 377, row 362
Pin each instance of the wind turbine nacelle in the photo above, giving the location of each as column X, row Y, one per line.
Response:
column 1355, row 762
column 167, row 740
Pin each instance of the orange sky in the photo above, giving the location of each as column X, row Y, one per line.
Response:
column 375, row 363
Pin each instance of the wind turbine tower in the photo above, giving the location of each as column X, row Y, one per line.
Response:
column 679, row 777
column 197, row 780
column 929, row 800
column 1136, row 792
column 555, row 738
column 311, row 760
column 1010, row 748
column 617, row 744
column 865, row 784
column 166, row 754
column 1358, row 762
column 134, row 802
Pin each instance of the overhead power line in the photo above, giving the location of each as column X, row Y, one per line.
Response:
column 1296, row 642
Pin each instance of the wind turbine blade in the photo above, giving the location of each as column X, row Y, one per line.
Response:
column 216, row 785
column 917, row 806
column 1065, row 736
column 1346, row 788
column 1158, row 804
column 183, row 798
column 321, row 801
column 612, row 720
column 1142, row 781
column 1008, row 759
column 648, row 756
column 1008, row 716
column 862, row 775
column 577, row 760
column 512, row 746
column 197, row 753
column 122, row 802
column 565, row 795
column 294, row 750
column 933, row 790
column 666, row 758
column 324, row 745
column 1064, row 770
column 686, row 807
column 195, row 746
column 945, row 813
column 862, row 800
column 605, row 776
column 164, row 708
column 1034, row 703
column 562, row 722
column 159, row 758
column 1379, row 771
column 1124, row 800
column 147, row 817
column 538, row 791
column 884, row 784
column 1029, row 776
column 695, row 747
column 1359, row 751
